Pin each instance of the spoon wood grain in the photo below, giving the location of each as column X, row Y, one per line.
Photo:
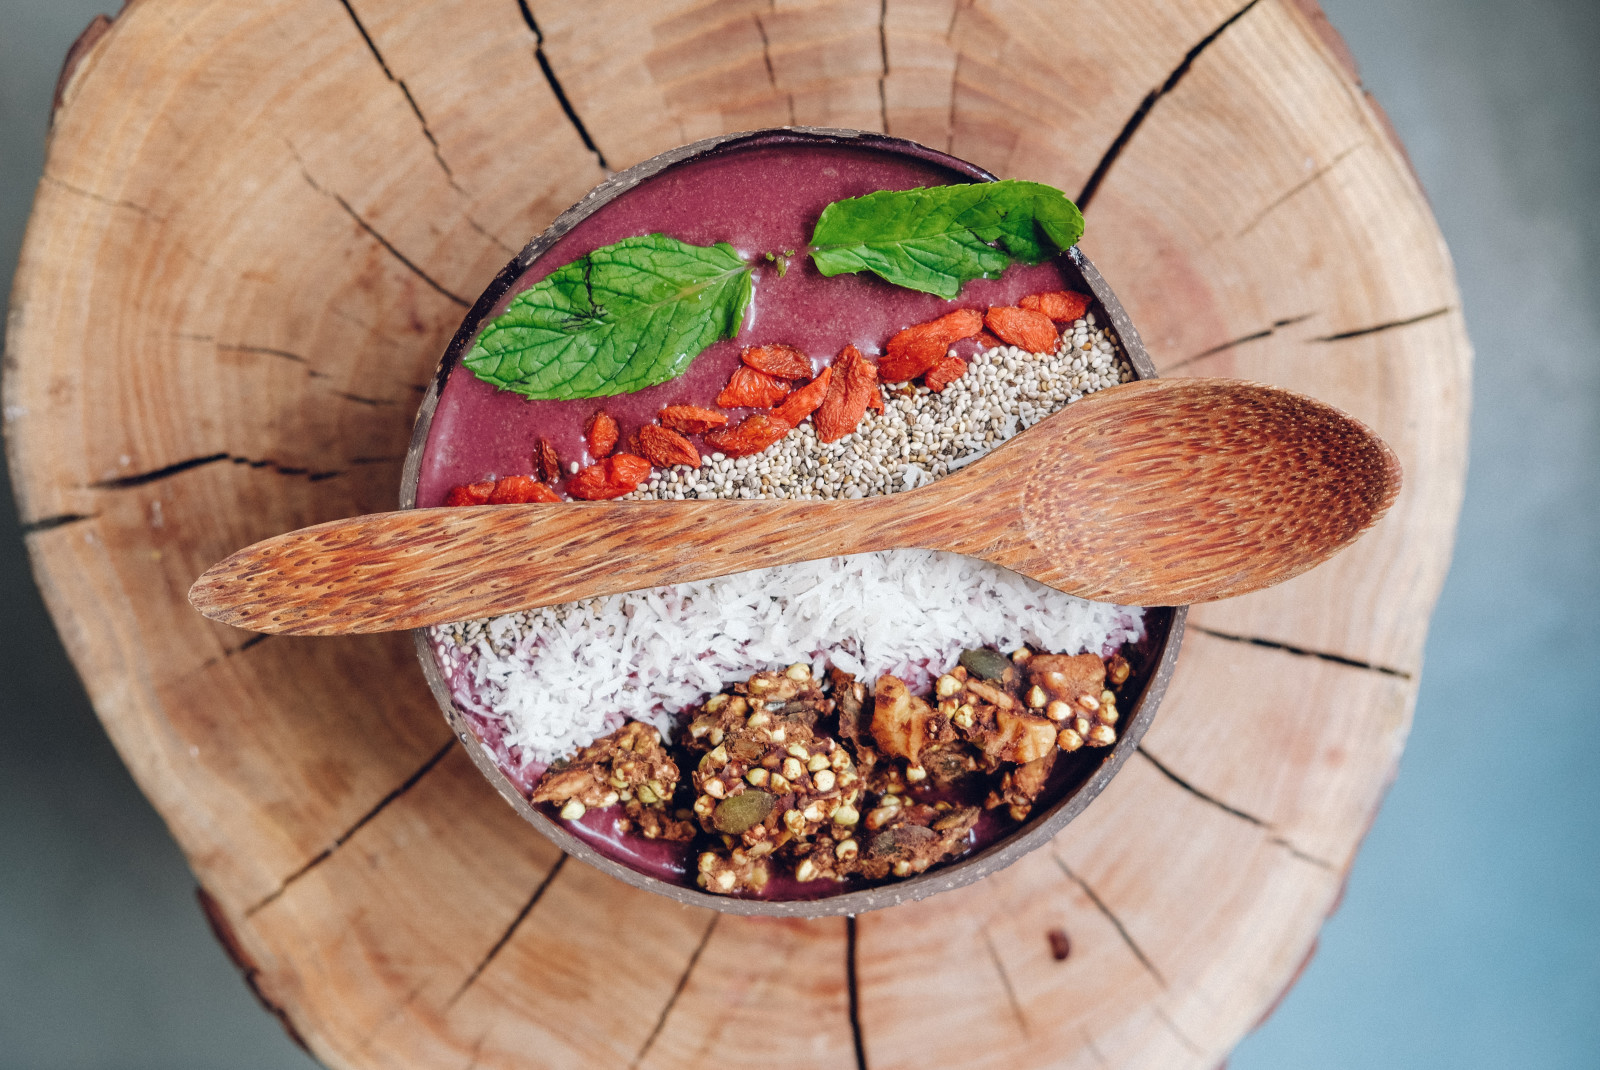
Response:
column 1161, row 492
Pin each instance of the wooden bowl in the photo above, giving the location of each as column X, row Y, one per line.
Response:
column 1086, row 773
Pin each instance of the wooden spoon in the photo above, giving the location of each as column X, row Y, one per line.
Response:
column 1161, row 492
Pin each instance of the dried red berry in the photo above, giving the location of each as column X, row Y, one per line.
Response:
column 785, row 362
column 691, row 419
column 854, row 386
column 470, row 493
column 545, row 461
column 751, row 389
column 753, row 435
column 515, row 490
column 611, row 478
column 1022, row 328
column 804, row 402
column 1062, row 306
column 601, row 431
column 944, row 373
column 664, row 448
column 916, row 349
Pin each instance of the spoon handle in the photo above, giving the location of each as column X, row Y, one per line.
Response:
column 409, row 569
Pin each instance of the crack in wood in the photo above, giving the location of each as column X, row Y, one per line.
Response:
column 853, row 987
column 1197, row 793
column 1302, row 652
column 1278, row 840
column 139, row 479
column 327, row 852
column 372, row 232
column 1268, row 332
column 1376, row 328
column 359, row 399
column 1005, row 982
column 416, row 109
column 883, row 52
column 231, row 347
column 766, row 57
column 1183, row 1038
column 505, row 937
column 556, row 88
column 1142, row 112
column 1116, row 922
column 50, row 523
column 1316, row 176
column 228, row 652
column 683, row 981
column 99, row 198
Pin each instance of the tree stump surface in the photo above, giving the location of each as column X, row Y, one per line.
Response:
column 259, row 225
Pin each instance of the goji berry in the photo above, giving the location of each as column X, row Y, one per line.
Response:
column 611, row 478
column 470, row 493
column 875, row 401
column 754, row 434
column 664, row 448
column 916, row 349
column 691, row 419
column 944, row 373
column 985, row 340
column 854, row 387
column 545, row 461
column 1062, row 306
column 804, row 402
column 1022, row 328
column 515, row 490
column 601, row 431
column 751, row 389
column 785, row 362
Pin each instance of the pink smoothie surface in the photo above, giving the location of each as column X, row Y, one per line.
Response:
column 760, row 199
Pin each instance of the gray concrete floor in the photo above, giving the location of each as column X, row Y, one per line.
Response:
column 1470, row 935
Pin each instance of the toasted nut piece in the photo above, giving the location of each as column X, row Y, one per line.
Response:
column 757, row 777
column 725, row 880
column 902, row 868
column 812, row 812
column 760, row 683
column 1088, row 702
column 778, row 785
column 1118, row 669
column 798, row 750
column 697, row 730
column 717, row 736
column 714, row 788
column 823, row 779
column 881, row 817
column 573, row 810
column 817, row 762
column 947, row 686
column 798, row 672
column 1081, row 726
column 1036, row 697
column 648, row 797
column 708, row 862
column 1021, row 655
column 795, row 821
column 805, row 871
column 761, row 849
column 1058, row 710
column 845, row 850
column 793, row 769
column 840, row 760
column 759, row 719
column 963, row 717
column 1107, row 715
column 1102, row 735
column 777, row 735
column 991, row 694
column 1068, row 740
column 846, row 815
column 716, row 703
column 1108, row 697
column 704, row 805
column 718, row 754
column 916, row 774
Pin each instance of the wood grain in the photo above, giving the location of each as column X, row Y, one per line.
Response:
column 256, row 231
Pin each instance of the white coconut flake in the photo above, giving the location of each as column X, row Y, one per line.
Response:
column 555, row 679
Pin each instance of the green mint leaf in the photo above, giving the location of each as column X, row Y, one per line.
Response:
column 938, row 238
column 627, row 316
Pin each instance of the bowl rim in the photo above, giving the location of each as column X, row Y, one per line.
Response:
column 965, row 870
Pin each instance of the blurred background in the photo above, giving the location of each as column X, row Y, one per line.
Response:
column 1469, row 936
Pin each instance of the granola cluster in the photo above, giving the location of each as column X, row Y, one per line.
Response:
column 833, row 782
